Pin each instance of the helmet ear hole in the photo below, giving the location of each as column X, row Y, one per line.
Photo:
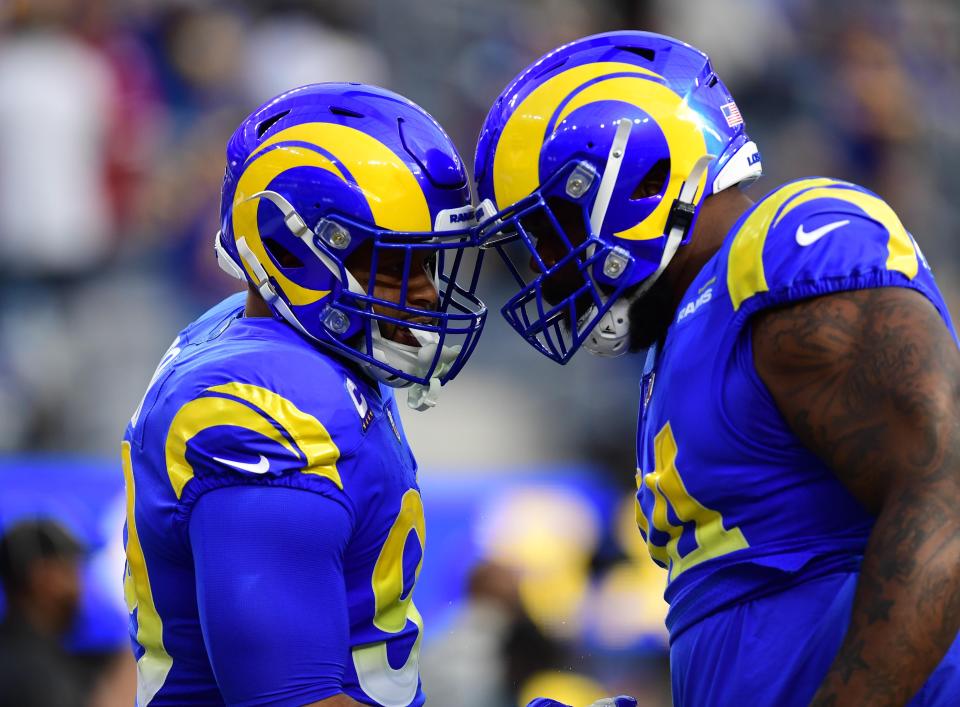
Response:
column 654, row 181
column 283, row 257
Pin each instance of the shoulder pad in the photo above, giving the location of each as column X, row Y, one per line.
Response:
column 259, row 416
column 816, row 230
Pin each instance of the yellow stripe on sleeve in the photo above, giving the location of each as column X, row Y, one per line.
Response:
column 203, row 414
column 309, row 437
column 901, row 253
column 306, row 431
column 745, row 275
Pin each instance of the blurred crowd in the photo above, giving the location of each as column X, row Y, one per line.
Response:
column 114, row 115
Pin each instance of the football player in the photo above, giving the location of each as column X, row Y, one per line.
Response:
column 799, row 436
column 274, row 524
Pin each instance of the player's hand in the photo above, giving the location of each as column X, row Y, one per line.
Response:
column 621, row 701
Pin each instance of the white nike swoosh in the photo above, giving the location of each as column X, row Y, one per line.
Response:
column 261, row 467
column 808, row 237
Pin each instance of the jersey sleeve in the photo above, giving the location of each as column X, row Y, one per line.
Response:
column 278, row 418
column 271, row 593
column 818, row 236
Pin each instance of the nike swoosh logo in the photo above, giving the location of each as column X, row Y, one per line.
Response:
column 261, row 467
column 806, row 238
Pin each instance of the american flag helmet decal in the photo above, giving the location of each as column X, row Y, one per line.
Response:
column 732, row 114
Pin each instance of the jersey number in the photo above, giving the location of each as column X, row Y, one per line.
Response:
column 154, row 663
column 666, row 487
column 382, row 683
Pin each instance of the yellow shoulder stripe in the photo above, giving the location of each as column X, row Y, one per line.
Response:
column 745, row 276
column 309, row 436
column 306, row 431
column 745, row 270
column 902, row 256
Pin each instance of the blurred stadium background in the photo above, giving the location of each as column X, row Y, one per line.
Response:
column 113, row 119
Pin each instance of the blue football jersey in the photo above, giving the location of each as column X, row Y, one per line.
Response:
column 729, row 500
column 247, row 402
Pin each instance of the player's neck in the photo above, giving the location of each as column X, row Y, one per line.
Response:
column 255, row 306
column 717, row 216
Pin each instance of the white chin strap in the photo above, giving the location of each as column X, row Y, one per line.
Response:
column 412, row 360
column 611, row 335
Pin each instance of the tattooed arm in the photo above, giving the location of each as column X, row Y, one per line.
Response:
column 870, row 382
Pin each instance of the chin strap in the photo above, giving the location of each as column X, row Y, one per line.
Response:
column 611, row 334
column 416, row 360
column 610, row 337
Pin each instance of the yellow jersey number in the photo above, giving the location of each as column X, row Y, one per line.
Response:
column 381, row 682
column 666, row 487
column 154, row 664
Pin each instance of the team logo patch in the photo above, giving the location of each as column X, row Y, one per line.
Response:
column 360, row 403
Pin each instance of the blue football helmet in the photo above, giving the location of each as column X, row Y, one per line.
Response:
column 329, row 170
column 609, row 146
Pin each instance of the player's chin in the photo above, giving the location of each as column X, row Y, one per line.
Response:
column 400, row 335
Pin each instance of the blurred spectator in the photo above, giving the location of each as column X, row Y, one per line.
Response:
column 40, row 572
column 56, row 225
column 492, row 648
column 293, row 48
column 87, row 497
column 55, row 101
